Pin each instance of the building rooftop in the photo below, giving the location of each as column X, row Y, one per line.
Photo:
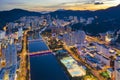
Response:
column 103, row 45
column 73, row 68
column 118, row 58
column 110, row 69
column 62, row 51
column 118, row 70
column 92, row 59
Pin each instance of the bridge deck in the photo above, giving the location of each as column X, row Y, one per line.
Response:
column 40, row 52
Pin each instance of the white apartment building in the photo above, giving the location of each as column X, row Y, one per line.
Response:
column 2, row 34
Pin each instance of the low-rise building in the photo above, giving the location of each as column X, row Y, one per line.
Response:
column 117, row 73
column 2, row 34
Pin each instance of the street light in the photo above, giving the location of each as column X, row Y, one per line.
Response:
column 3, row 63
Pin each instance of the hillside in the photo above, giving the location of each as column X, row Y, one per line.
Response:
column 108, row 19
column 12, row 15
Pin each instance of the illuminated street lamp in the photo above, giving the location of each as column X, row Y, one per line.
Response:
column 0, row 54
column 4, row 28
column 3, row 63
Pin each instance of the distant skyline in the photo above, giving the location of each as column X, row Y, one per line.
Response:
column 51, row 5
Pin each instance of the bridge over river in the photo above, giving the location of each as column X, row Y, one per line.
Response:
column 43, row 62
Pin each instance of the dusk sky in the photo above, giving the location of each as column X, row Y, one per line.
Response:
column 51, row 5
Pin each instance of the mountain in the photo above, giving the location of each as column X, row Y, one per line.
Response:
column 12, row 15
column 107, row 18
column 44, row 12
column 65, row 13
column 112, row 12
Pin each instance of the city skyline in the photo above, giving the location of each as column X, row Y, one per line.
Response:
column 51, row 5
column 72, row 45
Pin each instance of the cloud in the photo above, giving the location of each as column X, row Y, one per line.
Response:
column 16, row 3
column 74, row 3
column 50, row 5
column 66, row 4
column 71, row 6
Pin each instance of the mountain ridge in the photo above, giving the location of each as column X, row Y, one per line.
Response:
column 103, row 14
column 14, row 14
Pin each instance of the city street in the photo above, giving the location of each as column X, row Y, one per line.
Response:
column 23, row 60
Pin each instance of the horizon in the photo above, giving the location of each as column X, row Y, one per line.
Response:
column 51, row 5
column 59, row 9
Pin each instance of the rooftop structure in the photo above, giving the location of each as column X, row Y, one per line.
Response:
column 73, row 67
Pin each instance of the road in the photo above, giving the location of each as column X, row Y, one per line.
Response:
column 23, row 60
column 95, row 39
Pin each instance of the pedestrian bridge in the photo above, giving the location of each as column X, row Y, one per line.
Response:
column 41, row 52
